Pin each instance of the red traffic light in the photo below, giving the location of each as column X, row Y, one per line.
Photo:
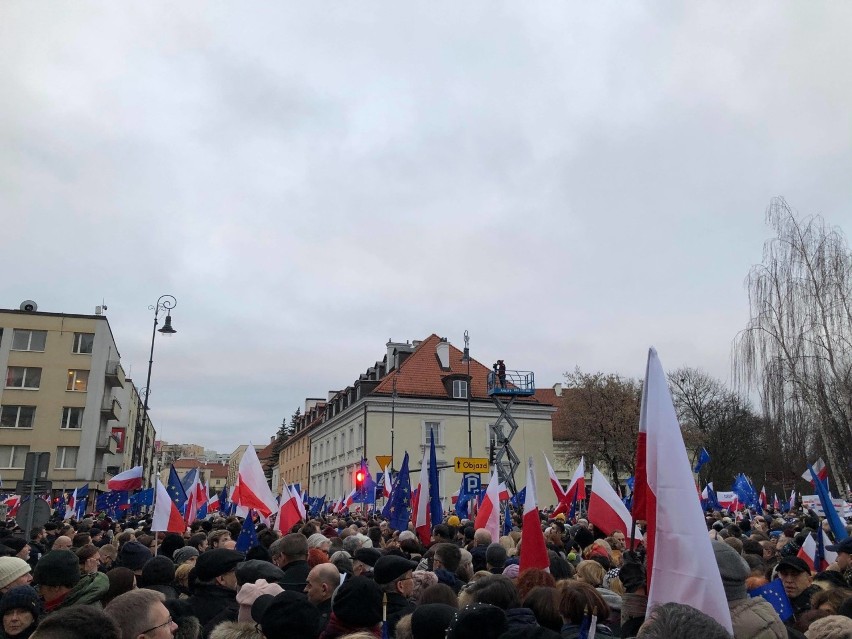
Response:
column 359, row 476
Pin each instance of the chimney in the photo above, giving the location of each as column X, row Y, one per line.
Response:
column 443, row 350
column 557, row 388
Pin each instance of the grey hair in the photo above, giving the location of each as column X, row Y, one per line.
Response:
column 679, row 621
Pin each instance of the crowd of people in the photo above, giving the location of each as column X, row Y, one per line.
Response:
column 353, row 577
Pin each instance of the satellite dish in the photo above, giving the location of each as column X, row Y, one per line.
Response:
column 29, row 306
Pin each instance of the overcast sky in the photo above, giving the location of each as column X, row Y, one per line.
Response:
column 570, row 182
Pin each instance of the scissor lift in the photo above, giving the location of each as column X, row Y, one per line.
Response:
column 504, row 388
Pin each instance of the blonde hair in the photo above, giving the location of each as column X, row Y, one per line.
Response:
column 182, row 574
column 591, row 572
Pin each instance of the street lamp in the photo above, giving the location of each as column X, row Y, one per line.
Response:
column 164, row 303
column 466, row 358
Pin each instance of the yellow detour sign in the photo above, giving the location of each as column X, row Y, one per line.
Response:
column 471, row 465
column 383, row 460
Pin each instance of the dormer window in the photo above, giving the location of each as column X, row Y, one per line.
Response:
column 459, row 389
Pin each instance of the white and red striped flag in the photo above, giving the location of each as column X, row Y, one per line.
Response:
column 421, row 515
column 533, row 548
column 167, row 517
column 128, row 480
column 488, row 516
column 253, row 492
column 606, row 510
column 681, row 565
column 288, row 512
column 808, row 553
column 819, row 468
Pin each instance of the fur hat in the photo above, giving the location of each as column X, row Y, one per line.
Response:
column 188, row 626
column 831, row 627
column 58, row 568
column 358, row 602
column 11, row 568
column 23, row 597
column 133, row 555
column 430, row 621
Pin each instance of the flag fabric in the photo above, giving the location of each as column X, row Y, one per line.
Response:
column 71, row 510
column 398, row 508
column 386, row 482
column 348, row 500
column 507, row 521
column 762, row 500
column 606, row 510
column 576, row 490
column 819, row 469
column 82, row 496
column 224, row 506
column 113, row 502
column 128, row 480
column 167, row 517
column 814, row 554
column 773, row 592
column 143, row 498
column 463, row 500
column 703, row 458
column 253, row 492
column 555, row 483
column 247, row 538
column 421, row 513
column 59, row 509
column 204, row 500
column 745, row 492
column 684, row 570
column 533, row 548
column 436, row 510
column 176, row 491
column 776, row 504
column 488, row 516
column 792, row 504
column 838, row 528
column 195, row 496
column 519, row 499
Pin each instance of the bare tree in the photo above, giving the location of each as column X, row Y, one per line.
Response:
column 796, row 347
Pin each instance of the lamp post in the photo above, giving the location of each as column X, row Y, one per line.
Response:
column 466, row 358
column 164, row 303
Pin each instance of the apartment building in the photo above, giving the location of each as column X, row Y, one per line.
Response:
column 65, row 393
column 294, row 458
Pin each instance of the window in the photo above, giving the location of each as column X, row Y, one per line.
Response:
column 72, row 417
column 66, row 456
column 83, row 343
column 459, row 389
column 13, row 456
column 78, row 380
column 17, row 416
column 351, row 439
column 23, row 377
column 435, row 427
column 23, row 340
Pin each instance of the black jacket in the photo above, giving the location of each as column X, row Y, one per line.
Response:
column 295, row 575
column 209, row 601
column 398, row 607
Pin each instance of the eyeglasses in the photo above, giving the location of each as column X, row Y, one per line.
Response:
column 165, row 623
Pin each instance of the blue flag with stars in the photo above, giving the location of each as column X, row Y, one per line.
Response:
column 398, row 509
column 175, row 490
column 82, row 497
column 507, row 521
column 703, row 458
column 248, row 535
column 774, row 593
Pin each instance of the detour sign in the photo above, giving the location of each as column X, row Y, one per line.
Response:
column 471, row 465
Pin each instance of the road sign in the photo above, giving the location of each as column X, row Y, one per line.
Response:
column 472, row 484
column 40, row 512
column 384, row 460
column 37, row 465
column 23, row 487
column 471, row 465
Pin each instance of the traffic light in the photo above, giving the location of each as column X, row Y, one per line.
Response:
column 359, row 480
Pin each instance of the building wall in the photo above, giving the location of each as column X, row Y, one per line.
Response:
column 294, row 462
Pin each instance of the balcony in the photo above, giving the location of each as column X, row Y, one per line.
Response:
column 110, row 408
column 106, row 443
column 113, row 374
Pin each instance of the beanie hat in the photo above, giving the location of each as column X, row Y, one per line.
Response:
column 430, row 621
column 11, row 568
column 159, row 571
column 831, row 627
column 480, row 620
column 358, row 602
column 58, row 568
column 287, row 614
column 454, row 521
column 733, row 568
column 21, row 597
column 511, row 571
column 15, row 543
column 317, row 540
column 185, row 554
column 495, row 555
column 249, row 592
column 583, row 537
column 133, row 555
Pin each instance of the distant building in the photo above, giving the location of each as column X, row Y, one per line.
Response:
column 215, row 475
column 65, row 393
column 235, row 457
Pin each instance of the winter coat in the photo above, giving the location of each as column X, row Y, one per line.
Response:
column 449, row 579
column 88, row 592
column 398, row 607
column 520, row 618
column 210, row 600
column 295, row 576
column 755, row 618
column 572, row 631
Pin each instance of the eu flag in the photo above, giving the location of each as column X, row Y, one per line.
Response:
column 223, row 500
column 248, row 535
column 398, row 509
column 774, row 593
column 82, row 497
column 703, row 458
column 175, row 490
column 436, row 511
column 828, row 508
column 507, row 521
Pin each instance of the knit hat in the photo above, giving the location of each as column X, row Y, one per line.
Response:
column 287, row 614
column 159, row 571
column 251, row 570
column 734, row 570
column 15, row 543
column 511, row 571
column 358, row 602
column 184, row 554
column 495, row 555
column 317, row 540
column 454, row 521
column 430, row 621
column 21, row 597
column 58, row 568
column 831, row 627
column 249, row 592
column 11, row 568
column 133, row 555
column 480, row 620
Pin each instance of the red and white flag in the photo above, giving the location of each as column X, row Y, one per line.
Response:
column 348, row 501
column 684, row 570
column 761, row 499
column 576, row 488
column 808, row 553
column 488, row 516
column 819, row 468
column 167, row 517
column 793, row 499
column 288, row 512
column 252, row 491
column 386, row 483
column 555, row 483
column 128, row 480
column 421, row 516
column 71, row 506
column 196, row 496
column 776, row 503
column 533, row 548
column 300, row 504
column 606, row 510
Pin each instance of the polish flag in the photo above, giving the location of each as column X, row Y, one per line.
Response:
column 762, row 498
column 348, row 501
column 386, row 484
column 685, row 570
column 554, row 481
column 793, row 499
column 488, row 516
column 288, row 513
column 421, row 516
column 576, row 489
column 819, row 468
column 128, row 480
column 195, row 497
column 503, row 492
column 254, row 492
column 167, row 517
column 300, row 503
column 533, row 548
column 606, row 510
column 808, row 553
column 776, row 503
column 726, row 499
column 71, row 506
column 213, row 504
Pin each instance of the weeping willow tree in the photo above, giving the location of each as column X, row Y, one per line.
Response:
column 796, row 348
